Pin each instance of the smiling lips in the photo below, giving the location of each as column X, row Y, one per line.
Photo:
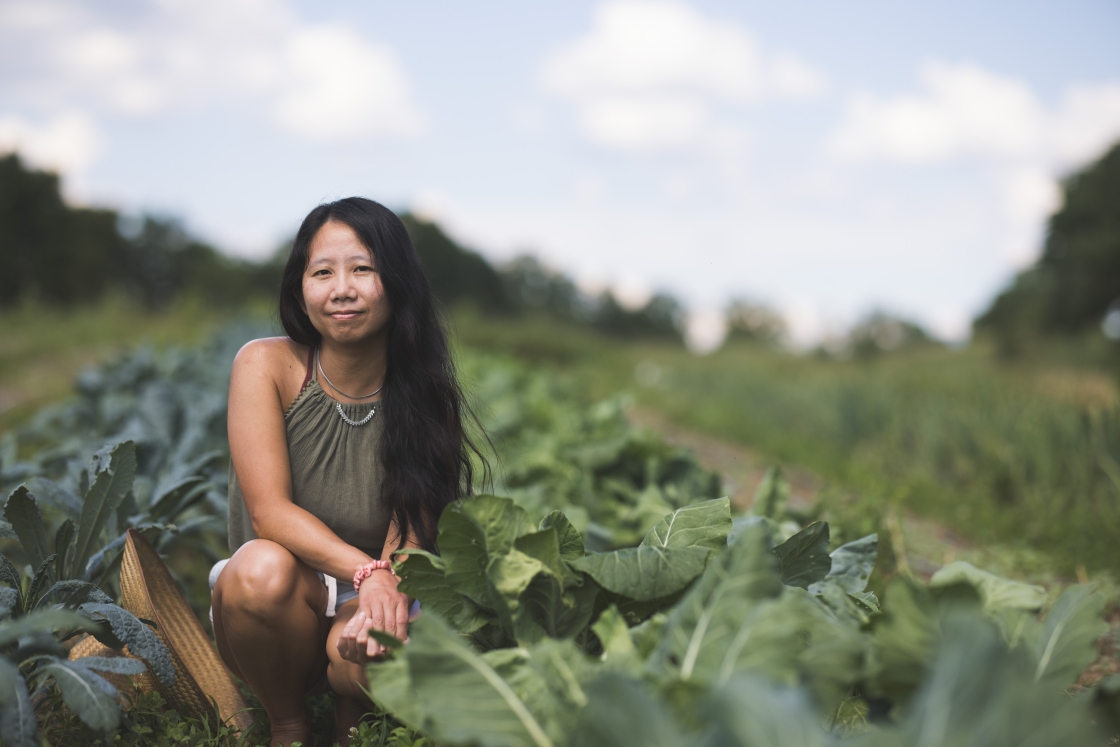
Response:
column 344, row 315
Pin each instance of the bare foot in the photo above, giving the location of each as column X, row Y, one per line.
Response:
column 347, row 715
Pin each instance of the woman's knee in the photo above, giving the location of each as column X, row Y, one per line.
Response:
column 260, row 578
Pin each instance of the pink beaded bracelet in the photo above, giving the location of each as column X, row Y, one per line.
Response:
column 367, row 570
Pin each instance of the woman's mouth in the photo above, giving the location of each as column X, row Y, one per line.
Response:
column 343, row 315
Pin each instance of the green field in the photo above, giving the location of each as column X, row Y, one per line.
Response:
column 1024, row 455
column 606, row 593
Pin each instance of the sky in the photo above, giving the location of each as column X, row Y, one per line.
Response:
column 825, row 159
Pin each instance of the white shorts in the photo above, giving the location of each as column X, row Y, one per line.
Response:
column 335, row 598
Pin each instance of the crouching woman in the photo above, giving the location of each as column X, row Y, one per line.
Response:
column 347, row 441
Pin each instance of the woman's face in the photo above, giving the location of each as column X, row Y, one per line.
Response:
column 342, row 291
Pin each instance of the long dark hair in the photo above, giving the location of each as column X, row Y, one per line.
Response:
column 425, row 449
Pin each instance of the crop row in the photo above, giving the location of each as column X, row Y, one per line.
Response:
column 603, row 594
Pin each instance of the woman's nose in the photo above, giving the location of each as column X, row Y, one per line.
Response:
column 342, row 288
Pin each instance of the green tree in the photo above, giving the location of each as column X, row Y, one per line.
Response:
column 457, row 274
column 60, row 254
column 1077, row 278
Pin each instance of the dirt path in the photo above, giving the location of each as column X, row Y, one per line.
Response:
column 742, row 468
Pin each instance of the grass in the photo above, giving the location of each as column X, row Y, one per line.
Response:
column 42, row 349
column 1025, row 455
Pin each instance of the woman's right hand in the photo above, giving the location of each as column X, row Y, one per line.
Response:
column 380, row 607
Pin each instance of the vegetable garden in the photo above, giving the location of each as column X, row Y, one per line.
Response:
column 604, row 593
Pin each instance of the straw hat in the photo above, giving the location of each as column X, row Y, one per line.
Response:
column 149, row 592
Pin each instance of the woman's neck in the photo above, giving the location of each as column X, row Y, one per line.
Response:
column 354, row 369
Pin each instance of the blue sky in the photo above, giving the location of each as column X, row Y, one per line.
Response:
column 826, row 159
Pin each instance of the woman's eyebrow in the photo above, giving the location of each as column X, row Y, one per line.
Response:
column 352, row 258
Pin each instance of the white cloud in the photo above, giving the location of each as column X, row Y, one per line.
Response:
column 68, row 142
column 651, row 75
column 965, row 111
column 321, row 81
column 1086, row 123
column 966, row 114
column 342, row 87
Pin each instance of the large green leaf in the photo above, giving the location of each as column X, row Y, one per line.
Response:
column 42, row 621
column 501, row 520
column 472, row 534
column 903, row 639
column 548, row 608
column 423, row 577
column 62, row 540
column 704, row 524
column 115, row 470
column 113, row 664
column 128, row 630
column 803, row 558
column 50, row 493
column 570, row 540
column 23, row 514
column 772, row 495
column 998, row 593
column 40, row 580
column 18, row 725
column 645, row 573
column 1067, row 642
column 465, row 701
column 749, row 710
column 390, row 687
column 852, row 563
column 979, row 694
column 735, row 617
column 614, row 635
column 178, row 498
column 87, row 694
column 72, row 593
column 621, row 713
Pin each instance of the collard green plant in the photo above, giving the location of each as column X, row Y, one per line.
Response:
column 763, row 645
column 58, row 600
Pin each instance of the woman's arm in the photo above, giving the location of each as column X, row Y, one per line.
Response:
column 380, row 606
column 262, row 376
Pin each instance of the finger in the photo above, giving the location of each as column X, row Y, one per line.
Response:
column 402, row 619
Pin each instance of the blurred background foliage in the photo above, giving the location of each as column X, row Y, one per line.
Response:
column 1014, row 438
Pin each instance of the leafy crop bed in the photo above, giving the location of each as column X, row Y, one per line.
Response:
column 603, row 593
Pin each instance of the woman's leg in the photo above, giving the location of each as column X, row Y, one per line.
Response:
column 270, row 626
column 345, row 678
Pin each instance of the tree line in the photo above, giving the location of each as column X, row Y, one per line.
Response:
column 60, row 255
column 57, row 254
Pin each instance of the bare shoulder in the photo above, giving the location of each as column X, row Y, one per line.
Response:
column 278, row 360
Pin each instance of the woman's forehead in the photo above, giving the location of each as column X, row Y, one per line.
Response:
column 337, row 242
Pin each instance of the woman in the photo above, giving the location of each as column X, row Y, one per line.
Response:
column 347, row 442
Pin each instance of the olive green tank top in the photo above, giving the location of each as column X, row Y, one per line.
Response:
column 336, row 471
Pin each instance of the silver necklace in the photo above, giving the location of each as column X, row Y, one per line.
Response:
column 319, row 363
column 338, row 405
column 355, row 423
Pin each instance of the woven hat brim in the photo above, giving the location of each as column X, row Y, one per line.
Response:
column 149, row 592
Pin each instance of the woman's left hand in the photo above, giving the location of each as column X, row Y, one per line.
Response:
column 380, row 607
